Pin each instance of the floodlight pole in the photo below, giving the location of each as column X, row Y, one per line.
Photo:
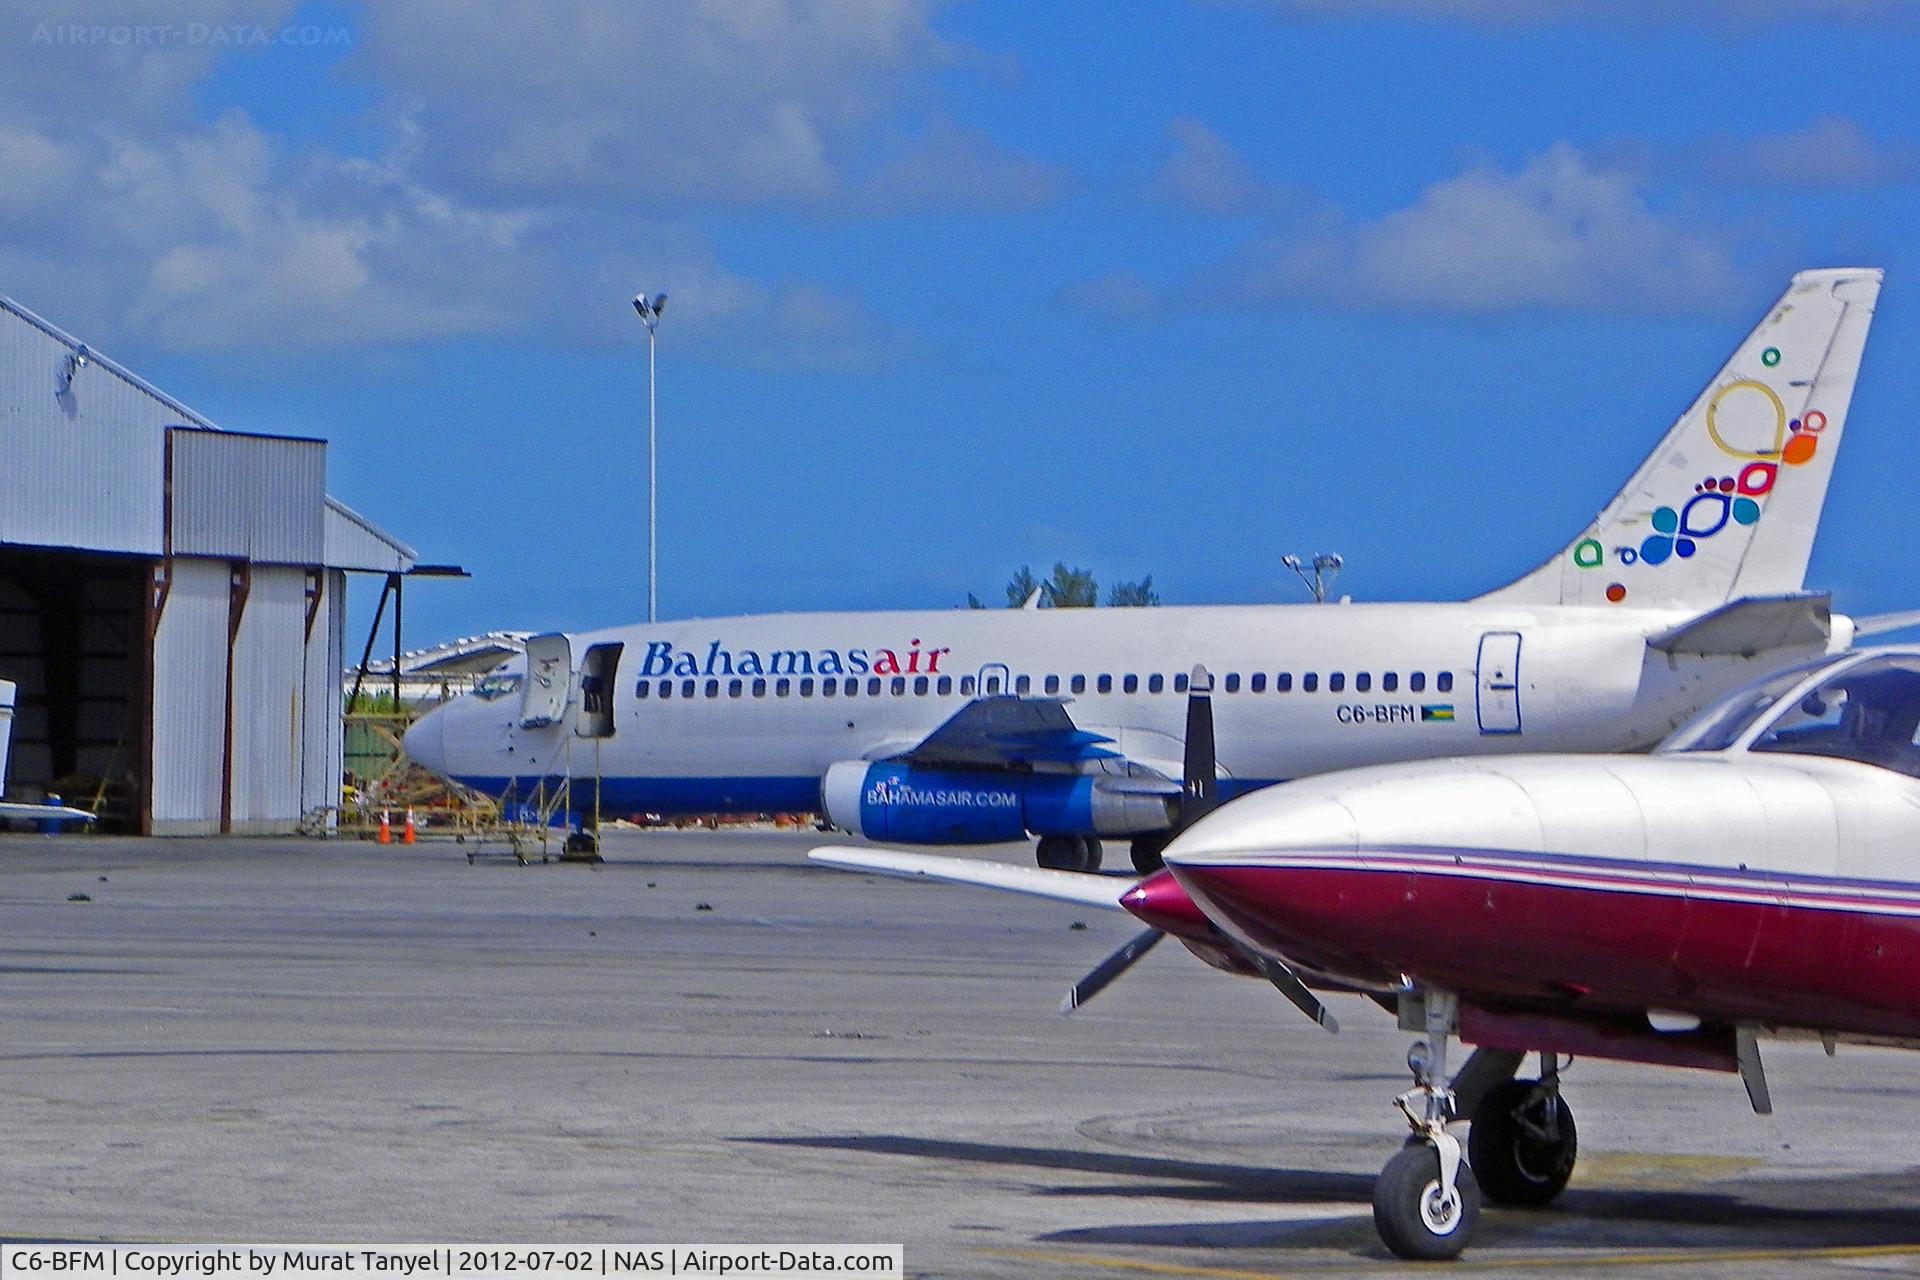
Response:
column 653, row 480
column 649, row 309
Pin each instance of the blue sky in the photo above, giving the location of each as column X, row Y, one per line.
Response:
column 1168, row 287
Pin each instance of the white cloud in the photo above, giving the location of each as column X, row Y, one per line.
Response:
column 542, row 167
column 1204, row 172
column 1560, row 233
column 1832, row 152
column 1557, row 234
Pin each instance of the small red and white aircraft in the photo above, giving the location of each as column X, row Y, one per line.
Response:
column 1756, row 876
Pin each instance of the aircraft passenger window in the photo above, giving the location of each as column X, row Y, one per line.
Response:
column 1336, row 682
column 686, row 688
column 1444, row 682
column 1155, row 683
column 873, row 687
column 1362, row 682
column 1257, row 682
column 899, row 685
column 642, row 689
column 759, row 688
column 1130, row 684
column 1078, row 684
column 806, row 688
column 1053, row 684
column 734, row 688
column 1869, row 713
column 1233, row 682
column 919, row 686
column 1283, row 683
column 666, row 688
column 993, row 684
column 945, row 686
column 852, row 689
column 1309, row 683
column 1180, row 683
column 1417, row 682
column 1104, row 684
column 1023, row 684
column 829, row 687
column 713, row 688
column 966, row 686
column 781, row 688
column 1389, row 681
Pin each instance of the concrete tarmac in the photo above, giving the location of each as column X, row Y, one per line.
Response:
column 707, row 1039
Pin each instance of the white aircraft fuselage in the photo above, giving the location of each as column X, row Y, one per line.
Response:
column 751, row 713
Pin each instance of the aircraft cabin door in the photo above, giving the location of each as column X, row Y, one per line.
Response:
column 995, row 679
column 1498, row 682
column 549, row 684
column 598, row 668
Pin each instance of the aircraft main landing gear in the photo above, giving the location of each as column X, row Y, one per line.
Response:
column 1068, row 853
column 1426, row 1201
column 1146, row 851
column 1523, row 1143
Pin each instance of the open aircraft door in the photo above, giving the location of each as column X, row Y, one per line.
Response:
column 598, row 670
column 549, row 686
column 1498, row 682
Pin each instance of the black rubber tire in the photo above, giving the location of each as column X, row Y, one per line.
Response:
column 1513, row 1162
column 1404, row 1186
column 1089, row 853
column 1059, row 853
column 1147, row 849
column 582, row 842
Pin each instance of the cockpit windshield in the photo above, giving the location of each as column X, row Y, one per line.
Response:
column 1720, row 725
column 497, row 684
column 1866, row 711
column 1869, row 712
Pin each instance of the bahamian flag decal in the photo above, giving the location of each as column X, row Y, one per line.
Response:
column 1436, row 711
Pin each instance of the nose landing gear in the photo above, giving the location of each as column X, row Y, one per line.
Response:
column 1426, row 1202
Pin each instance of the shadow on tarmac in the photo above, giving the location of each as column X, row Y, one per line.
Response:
column 1799, row 1215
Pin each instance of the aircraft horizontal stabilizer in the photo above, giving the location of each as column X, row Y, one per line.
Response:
column 1880, row 624
column 44, row 812
column 1755, row 624
column 1083, row 890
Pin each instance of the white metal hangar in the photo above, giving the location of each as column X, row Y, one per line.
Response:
column 172, row 599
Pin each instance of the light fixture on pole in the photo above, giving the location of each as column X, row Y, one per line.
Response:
column 1326, row 567
column 650, row 309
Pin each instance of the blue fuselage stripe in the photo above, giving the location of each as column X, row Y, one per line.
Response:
column 620, row 797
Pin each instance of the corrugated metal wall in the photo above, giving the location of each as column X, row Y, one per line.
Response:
column 190, row 700
column 103, row 440
column 323, row 755
column 269, row 692
column 241, row 497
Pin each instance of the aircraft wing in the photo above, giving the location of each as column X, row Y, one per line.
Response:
column 1004, row 731
column 1753, row 624
column 43, row 812
column 1060, row 886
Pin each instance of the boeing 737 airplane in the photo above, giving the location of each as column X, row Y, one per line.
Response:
column 976, row 727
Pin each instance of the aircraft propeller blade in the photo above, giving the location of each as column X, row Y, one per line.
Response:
column 1109, row 969
column 1296, row 991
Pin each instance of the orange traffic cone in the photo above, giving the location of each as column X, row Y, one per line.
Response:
column 406, row 836
column 386, row 827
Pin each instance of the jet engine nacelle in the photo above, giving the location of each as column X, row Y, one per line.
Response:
column 954, row 806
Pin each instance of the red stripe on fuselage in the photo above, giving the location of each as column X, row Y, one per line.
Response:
column 1784, row 950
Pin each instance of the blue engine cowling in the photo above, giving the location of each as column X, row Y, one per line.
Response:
column 941, row 806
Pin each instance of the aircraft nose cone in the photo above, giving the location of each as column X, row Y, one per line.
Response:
column 426, row 742
column 1161, row 902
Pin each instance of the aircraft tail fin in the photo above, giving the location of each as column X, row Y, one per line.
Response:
column 1728, row 503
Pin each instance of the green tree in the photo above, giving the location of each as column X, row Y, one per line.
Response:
column 1133, row 594
column 1021, row 586
column 1069, row 588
